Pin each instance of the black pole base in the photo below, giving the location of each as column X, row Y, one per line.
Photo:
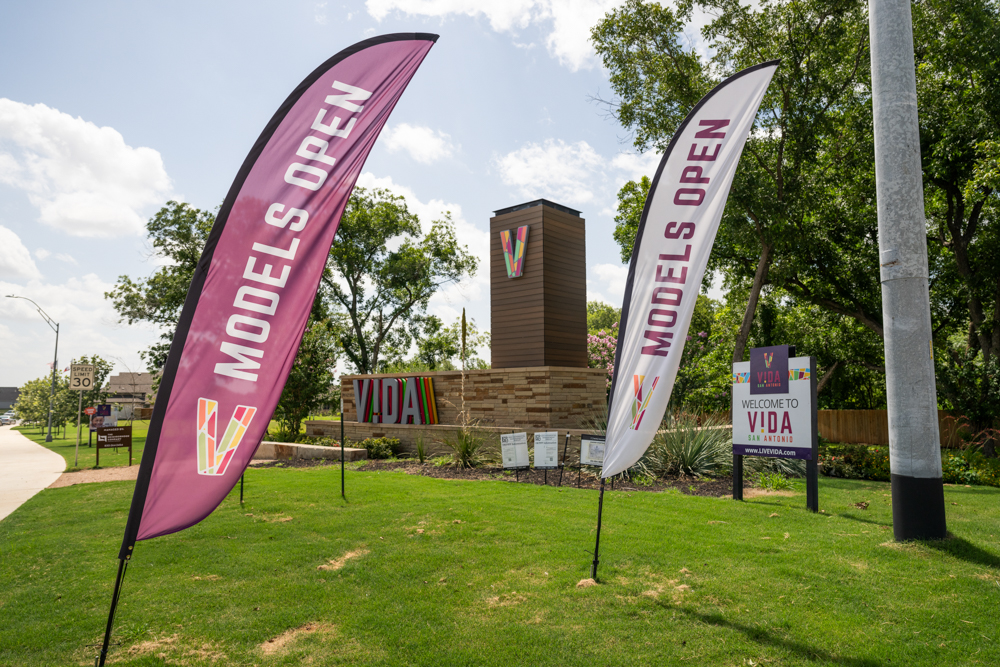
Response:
column 597, row 539
column 918, row 508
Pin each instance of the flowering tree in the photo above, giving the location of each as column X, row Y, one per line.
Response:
column 601, row 350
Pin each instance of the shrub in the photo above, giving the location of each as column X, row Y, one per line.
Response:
column 381, row 448
column 686, row 448
column 421, row 449
column 774, row 481
column 466, row 444
column 855, row 461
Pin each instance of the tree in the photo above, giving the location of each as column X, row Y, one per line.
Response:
column 823, row 47
column 102, row 370
column 178, row 233
column 601, row 315
column 438, row 347
column 32, row 403
column 311, row 379
column 384, row 292
column 957, row 56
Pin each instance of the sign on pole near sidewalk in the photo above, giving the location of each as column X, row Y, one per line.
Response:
column 81, row 377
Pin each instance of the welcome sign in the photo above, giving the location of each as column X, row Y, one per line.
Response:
column 771, row 422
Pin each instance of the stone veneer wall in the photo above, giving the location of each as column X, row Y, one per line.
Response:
column 435, row 435
column 535, row 397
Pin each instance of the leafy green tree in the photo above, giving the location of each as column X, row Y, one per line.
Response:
column 102, row 371
column 178, row 233
column 601, row 315
column 382, row 272
column 311, row 379
column 32, row 403
column 438, row 347
column 658, row 78
column 957, row 55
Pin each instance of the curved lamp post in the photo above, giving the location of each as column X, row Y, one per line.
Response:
column 55, row 359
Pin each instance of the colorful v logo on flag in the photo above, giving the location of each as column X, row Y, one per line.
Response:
column 640, row 402
column 214, row 454
column 513, row 250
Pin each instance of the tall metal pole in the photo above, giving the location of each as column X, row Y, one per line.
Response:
column 52, row 393
column 79, row 425
column 343, row 493
column 55, row 359
column 914, row 441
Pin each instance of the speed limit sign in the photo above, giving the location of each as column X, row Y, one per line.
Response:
column 81, row 377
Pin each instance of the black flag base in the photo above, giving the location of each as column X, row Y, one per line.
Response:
column 597, row 543
column 122, row 566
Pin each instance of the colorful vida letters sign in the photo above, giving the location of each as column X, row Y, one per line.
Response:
column 513, row 250
column 396, row 400
column 768, row 421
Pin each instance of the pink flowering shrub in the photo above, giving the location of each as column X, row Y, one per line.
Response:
column 601, row 350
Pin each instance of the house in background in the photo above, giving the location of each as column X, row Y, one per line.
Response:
column 8, row 396
column 132, row 391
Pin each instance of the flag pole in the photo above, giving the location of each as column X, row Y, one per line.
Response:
column 597, row 542
column 122, row 566
column 343, row 494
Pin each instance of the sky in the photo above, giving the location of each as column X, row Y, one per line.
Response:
column 110, row 109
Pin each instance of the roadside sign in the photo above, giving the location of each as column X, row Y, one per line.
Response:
column 90, row 411
column 113, row 437
column 81, row 377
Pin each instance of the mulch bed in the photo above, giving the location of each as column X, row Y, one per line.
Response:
column 716, row 488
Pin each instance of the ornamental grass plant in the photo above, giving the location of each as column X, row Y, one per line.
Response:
column 689, row 445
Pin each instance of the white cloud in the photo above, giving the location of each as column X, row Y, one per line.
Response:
column 85, row 180
column 607, row 283
column 554, row 170
column 319, row 15
column 568, row 21
column 422, row 143
column 635, row 165
column 88, row 324
column 472, row 293
column 15, row 260
column 573, row 174
column 42, row 253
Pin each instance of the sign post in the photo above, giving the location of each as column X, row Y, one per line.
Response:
column 514, row 450
column 113, row 437
column 546, row 452
column 774, row 413
column 81, row 379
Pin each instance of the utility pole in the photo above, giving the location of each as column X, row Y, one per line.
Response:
column 55, row 359
column 914, row 440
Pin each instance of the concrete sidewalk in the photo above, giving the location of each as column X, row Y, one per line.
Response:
column 25, row 469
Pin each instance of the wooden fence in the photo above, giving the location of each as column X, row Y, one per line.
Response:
column 872, row 427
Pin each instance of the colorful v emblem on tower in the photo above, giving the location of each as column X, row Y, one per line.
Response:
column 513, row 250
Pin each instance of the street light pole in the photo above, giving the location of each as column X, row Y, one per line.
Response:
column 55, row 359
column 914, row 442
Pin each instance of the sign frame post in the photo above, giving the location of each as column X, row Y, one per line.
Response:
column 782, row 393
column 113, row 431
column 81, row 379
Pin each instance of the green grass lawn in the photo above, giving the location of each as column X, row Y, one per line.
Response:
column 66, row 446
column 441, row 572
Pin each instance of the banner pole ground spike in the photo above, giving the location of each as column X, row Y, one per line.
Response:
column 122, row 566
column 597, row 541
column 241, row 488
column 343, row 493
